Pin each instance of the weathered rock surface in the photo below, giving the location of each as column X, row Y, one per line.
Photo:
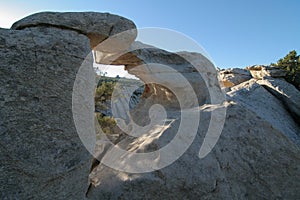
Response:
column 286, row 93
column 97, row 26
column 258, row 99
column 234, row 76
column 41, row 154
column 252, row 159
column 256, row 154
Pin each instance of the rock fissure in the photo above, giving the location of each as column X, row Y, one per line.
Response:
column 282, row 98
column 45, row 25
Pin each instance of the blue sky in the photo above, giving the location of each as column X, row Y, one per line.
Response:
column 235, row 33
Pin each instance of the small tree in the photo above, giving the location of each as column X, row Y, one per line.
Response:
column 291, row 63
column 105, row 90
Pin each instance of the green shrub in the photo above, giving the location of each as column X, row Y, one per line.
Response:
column 103, row 94
column 107, row 123
column 104, row 91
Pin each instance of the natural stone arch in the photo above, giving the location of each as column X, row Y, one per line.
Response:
column 75, row 35
column 42, row 157
column 143, row 55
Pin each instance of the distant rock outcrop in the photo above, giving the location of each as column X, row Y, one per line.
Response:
column 256, row 157
column 234, row 76
column 261, row 71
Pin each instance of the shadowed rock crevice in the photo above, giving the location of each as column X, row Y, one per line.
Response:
column 287, row 94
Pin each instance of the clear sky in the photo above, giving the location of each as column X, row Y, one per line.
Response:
column 235, row 33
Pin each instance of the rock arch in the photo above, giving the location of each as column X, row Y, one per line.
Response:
column 42, row 156
column 44, row 52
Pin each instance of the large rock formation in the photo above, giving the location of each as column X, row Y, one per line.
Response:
column 252, row 159
column 257, row 155
column 42, row 156
column 41, row 153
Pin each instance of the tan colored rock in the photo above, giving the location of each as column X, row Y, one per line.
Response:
column 261, row 71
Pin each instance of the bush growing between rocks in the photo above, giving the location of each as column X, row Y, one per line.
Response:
column 107, row 123
column 103, row 93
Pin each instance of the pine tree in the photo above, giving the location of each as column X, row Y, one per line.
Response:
column 291, row 63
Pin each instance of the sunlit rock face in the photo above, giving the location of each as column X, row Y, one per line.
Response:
column 261, row 71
